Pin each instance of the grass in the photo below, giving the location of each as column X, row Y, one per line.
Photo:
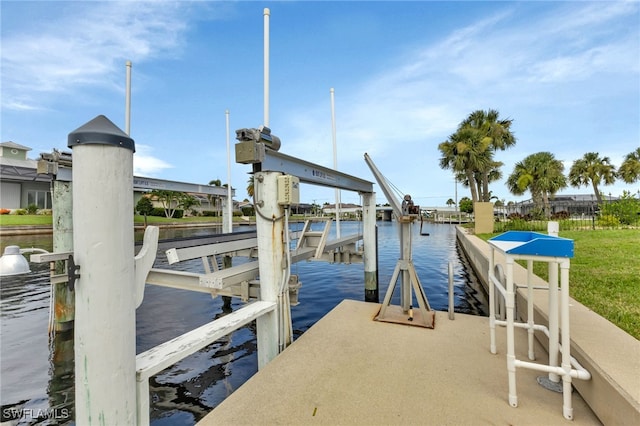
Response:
column 31, row 219
column 26, row 219
column 604, row 274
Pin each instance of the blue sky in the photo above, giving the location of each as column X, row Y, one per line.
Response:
column 405, row 74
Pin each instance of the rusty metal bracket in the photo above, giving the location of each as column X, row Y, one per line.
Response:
column 72, row 272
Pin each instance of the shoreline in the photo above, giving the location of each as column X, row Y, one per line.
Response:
column 6, row 231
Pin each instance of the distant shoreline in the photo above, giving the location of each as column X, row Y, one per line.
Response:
column 6, row 231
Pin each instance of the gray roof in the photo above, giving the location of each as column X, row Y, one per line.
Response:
column 11, row 144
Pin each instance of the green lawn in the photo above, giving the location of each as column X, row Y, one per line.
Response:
column 21, row 220
column 604, row 274
column 26, row 219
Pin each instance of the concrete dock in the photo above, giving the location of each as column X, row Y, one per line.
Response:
column 348, row 369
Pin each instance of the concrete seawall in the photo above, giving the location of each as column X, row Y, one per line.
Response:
column 608, row 353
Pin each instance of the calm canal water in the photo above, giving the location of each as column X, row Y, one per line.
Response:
column 37, row 372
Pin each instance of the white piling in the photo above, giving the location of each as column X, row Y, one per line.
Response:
column 370, row 249
column 63, row 298
column 270, row 230
column 105, row 334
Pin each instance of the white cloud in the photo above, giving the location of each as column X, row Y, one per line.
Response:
column 96, row 40
column 145, row 164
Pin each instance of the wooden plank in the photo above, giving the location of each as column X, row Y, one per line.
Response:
column 175, row 255
column 230, row 276
column 166, row 354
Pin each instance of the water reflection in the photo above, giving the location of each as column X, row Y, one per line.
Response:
column 37, row 373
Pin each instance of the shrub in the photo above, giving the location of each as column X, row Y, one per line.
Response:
column 5, row 211
column 32, row 209
column 560, row 215
column 19, row 212
column 209, row 213
column 144, row 206
column 516, row 225
column 159, row 211
column 608, row 220
column 45, row 212
column 248, row 211
column 626, row 209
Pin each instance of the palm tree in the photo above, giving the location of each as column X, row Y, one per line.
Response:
column 250, row 187
column 215, row 198
column 542, row 175
column 450, row 202
column 495, row 135
column 591, row 169
column 629, row 171
column 469, row 151
column 465, row 153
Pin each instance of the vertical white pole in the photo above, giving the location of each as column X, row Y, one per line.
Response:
column 105, row 324
column 335, row 158
column 228, row 220
column 530, row 319
column 270, row 230
column 370, row 249
column 266, row 66
column 511, row 349
column 554, row 332
column 567, row 409
column 127, row 118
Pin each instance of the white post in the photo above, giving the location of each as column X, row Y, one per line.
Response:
column 266, row 66
column 370, row 249
column 554, row 332
column 105, row 325
column 127, row 114
column 553, row 228
column 227, row 215
column 270, row 230
column 335, row 159
column 62, row 199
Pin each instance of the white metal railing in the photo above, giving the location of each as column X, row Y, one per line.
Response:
column 166, row 354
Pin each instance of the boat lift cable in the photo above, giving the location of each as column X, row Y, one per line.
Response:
column 283, row 293
column 395, row 189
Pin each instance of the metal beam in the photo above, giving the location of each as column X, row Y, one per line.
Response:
column 313, row 173
column 148, row 184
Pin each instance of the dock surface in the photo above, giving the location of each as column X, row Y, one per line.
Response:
column 350, row 370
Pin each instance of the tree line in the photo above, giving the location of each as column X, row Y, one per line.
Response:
column 469, row 152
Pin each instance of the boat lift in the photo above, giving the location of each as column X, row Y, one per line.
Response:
column 406, row 212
